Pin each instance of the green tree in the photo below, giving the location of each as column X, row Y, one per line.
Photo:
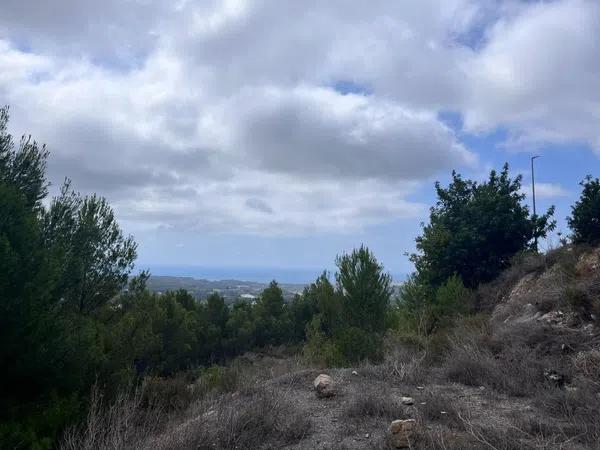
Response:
column 23, row 167
column 365, row 288
column 95, row 257
column 241, row 328
column 217, row 315
column 585, row 213
column 475, row 229
column 271, row 325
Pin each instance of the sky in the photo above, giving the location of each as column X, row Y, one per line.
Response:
column 280, row 133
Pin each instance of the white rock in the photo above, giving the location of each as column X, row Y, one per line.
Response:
column 323, row 385
column 408, row 400
column 403, row 432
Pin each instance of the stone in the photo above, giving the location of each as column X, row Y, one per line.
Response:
column 408, row 401
column 324, row 386
column 403, row 432
column 354, row 372
column 554, row 377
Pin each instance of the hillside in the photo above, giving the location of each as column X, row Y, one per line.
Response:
column 231, row 290
column 523, row 373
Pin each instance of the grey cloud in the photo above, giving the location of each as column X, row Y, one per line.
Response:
column 119, row 32
column 321, row 133
column 259, row 205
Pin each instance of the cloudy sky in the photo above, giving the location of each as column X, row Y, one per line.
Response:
column 279, row 133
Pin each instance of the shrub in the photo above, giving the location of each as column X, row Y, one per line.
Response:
column 425, row 309
column 355, row 345
column 585, row 213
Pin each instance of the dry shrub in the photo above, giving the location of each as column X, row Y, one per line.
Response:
column 263, row 417
column 577, row 411
column 583, row 297
column 222, row 422
column 375, row 403
column 168, row 393
column 259, row 416
column 402, row 363
column 508, row 363
column 587, row 364
column 495, row 435
column 116, row 425
column 438, row 408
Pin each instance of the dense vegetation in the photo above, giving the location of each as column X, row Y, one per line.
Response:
column 71, row 317
column 585, row 216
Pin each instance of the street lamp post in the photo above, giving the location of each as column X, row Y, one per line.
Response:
column 533, row 192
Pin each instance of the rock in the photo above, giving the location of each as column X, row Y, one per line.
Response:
column 367, row 435
column 323, row 385
column 408, row 401
column 403, row 432
column 554, row 377
column 354, row 372
column 420, row 388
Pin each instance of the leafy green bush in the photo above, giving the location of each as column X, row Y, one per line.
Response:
column 425, row 309
column 585, row 213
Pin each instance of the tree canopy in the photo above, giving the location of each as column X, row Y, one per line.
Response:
column 475, row 228
column 585, row 213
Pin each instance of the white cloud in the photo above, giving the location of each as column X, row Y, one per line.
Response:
column 546, row 191
column 539, row 75
column 221, row 116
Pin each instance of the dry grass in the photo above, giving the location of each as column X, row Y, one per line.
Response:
column 375, row 403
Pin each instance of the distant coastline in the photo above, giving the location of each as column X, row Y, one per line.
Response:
column 252, row 274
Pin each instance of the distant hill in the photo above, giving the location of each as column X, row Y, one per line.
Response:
column 231, row 290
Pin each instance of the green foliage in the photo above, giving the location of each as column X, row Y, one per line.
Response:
column 451, row 300
column 425, row 310
column 240, row 328
column 271, row 323
column 358, row 344
column 349, row 321
column 95, row 257
column 365, row 288
column 23, row 167
column 319, row 348
column 475, row 229
column 585, row 214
